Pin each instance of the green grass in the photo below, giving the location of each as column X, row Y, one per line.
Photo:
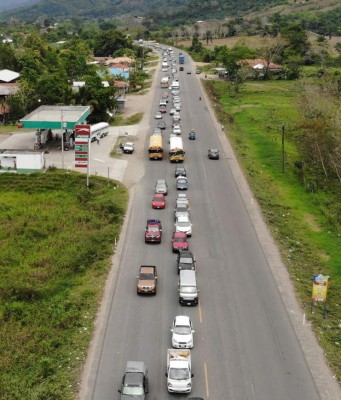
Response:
column 134, row 119
column 4, row 129
column 303, row 223
column 56, row 238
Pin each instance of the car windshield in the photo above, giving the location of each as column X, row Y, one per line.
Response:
column 182, row 330
column 182, row 181
column 133, row 390
column 176, row 152
column 180, row 239
column 146, row 276
column 183, row 224
column 153, row 228
column 179, row 373
column 186, row 260
column 157, row 199
column 188, row 289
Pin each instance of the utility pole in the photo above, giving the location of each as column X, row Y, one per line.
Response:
column 283, row 131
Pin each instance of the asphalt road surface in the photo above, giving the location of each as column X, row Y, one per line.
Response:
column 245, row 347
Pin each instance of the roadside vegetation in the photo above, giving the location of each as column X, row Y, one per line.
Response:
column 57, row 238
column 121, row 120
column 301, row 205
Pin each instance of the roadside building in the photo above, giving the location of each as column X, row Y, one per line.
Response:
column 258, row 68
column 122, row 87
column 21, row 161
column 8, row 86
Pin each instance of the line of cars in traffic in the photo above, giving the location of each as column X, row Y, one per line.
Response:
column 179, row 370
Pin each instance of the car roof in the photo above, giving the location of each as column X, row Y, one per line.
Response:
column 183, row 218
column 182, row 195
column 182, row 320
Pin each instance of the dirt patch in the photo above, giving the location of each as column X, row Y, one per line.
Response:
column 310, row 221
column 324, row 256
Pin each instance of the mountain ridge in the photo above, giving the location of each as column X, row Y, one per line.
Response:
column 116, row 8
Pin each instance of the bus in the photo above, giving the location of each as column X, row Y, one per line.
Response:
column 164, row 82
column 98, row 131
column 155, row 149
column 176, row 150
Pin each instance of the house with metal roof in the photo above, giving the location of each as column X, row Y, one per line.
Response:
column 7, row 75
column 8, row 86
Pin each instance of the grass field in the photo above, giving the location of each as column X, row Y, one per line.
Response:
column 56, row 239
column 256, row 42
column 301, row 222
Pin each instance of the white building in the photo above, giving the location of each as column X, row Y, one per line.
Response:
column 22, row 161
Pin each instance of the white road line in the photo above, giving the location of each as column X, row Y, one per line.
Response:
column 206, row 381
column 200, row 313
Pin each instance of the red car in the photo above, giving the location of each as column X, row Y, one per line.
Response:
column 159, row 201
column 163, row 109
column 153, row 231
column 179, row 242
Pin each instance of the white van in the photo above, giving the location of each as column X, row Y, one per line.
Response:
column 175, row 85
column 188, row 290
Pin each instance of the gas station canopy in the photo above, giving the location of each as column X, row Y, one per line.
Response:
column 55, row 117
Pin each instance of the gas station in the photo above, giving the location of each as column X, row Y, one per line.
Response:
column 61, row 118
column 45, row 119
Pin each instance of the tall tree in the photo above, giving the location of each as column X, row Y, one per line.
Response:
column 8, row 59
column 297, row 38
column 108, row 42
column 208, row 36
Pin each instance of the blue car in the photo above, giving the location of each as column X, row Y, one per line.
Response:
column 191, row 136
column 181, row 183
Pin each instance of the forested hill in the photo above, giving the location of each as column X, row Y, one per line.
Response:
column 163, row 10
column 11, row 4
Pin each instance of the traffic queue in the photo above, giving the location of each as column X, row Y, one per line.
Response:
column 179, row 372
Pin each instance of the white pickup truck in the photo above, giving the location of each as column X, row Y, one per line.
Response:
column 179, row 373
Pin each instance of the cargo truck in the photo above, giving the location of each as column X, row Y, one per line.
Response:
column 179, row 374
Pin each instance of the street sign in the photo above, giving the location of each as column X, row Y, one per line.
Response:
column 83, row 130
column 82, row 139
column 320, row 288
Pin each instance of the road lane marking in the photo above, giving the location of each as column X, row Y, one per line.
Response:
column 200, row 314
column 206, row 381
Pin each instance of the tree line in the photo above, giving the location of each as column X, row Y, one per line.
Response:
column 47, row 70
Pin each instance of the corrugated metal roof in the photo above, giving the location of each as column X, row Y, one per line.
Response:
column 7, row 76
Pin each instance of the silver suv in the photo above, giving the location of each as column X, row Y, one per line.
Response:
column 161, row 186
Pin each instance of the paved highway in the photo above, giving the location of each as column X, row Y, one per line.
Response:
column 244, row 346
